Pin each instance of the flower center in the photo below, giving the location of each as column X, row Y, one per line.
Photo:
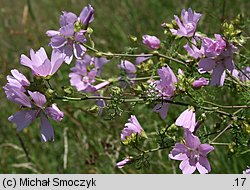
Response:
column 85, row 79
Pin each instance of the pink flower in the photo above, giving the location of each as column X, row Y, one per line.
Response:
column 219, row 57
column 194, row 51
column 151, row 42
column 40, row 64
column 128, row 67
column 133, row 126
column 188, row 23
column 38, row 108
column 122, row 163
column 165, row 88
column 193, row 154
column 200, row 82
column 186, row 120
column 247, row 171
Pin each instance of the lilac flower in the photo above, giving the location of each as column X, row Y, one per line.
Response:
column 128, row 67
column 194, row 51
column 219, row 57
column 132, row 127
column 247, row 171
column 187, row 120
column 38, row 109
column 193, row 154
column 151, row 42
column 69, row 38
column 244, row 77
column 86, row 16
column 40, row 64
column 200, row 82
column 82, row 79
column 188, row 23
column 101, row 104
column 122, row 163
column 141, row 59
column 15, row 88
column 97, row 62
column 165, row 88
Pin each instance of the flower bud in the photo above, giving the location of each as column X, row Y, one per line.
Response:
column 151, row 42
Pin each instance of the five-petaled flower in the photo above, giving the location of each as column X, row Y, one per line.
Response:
column 83, row 79
column 34, row 104
column 40, row 64
column 71, row 35
column 219, row 57
column 188, row 23
column 193, row 154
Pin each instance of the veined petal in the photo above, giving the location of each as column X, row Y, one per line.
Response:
column 206, row 64
column 57, row 59
column 67, row 30
column 217, row 78
column 203, row 165
column 23, row 118
column 38, row 98
column 47, row 131
column 44, row 69
column 186, row 167
column 79, row 50
column 54, row 113
column 204, row 149
column 191, row 140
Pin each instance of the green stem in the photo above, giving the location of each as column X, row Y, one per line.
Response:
column 226, row 107
column 109, row 54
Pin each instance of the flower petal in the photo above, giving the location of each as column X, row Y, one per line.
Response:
column 205, row 149
column 47, row 131
column 191, row 140
column 218, row 75
column 186, row 167
column 203, row 165
column 23, row 118
column 206, row 64
column 38, row 98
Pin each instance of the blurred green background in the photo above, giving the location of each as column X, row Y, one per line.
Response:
column 93, row 142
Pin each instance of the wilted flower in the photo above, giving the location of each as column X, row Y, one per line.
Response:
column 193, row 154
column 200, row 82
column 69, row 37
column 186, row 120
column 40, row 64
column 165, row 88
column 151, row 42
column 188, row 23
column 247, row 171
column 132, row 127
column 219, row 57
column 124, row 162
